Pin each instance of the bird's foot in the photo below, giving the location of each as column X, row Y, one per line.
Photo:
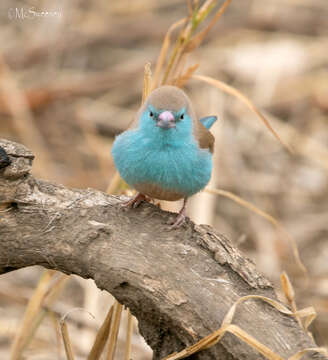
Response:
column 135, row 201
column 180, row 219
column 177, row 222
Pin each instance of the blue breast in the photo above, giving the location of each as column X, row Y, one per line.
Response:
column 179, row 166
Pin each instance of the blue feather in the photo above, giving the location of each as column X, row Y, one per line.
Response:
column 170, row 158
column 208, row 121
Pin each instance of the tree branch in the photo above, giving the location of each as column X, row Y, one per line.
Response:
column 179, row 284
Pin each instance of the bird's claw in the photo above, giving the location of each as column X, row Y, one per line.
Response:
column 177, row 222
column 134, row 202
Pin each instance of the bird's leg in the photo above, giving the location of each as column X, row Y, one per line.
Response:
column 135, row 201
column 181, row 218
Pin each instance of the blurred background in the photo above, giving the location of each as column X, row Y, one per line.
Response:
column 72, row 79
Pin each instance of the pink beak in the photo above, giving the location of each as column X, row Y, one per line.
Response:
column 166, row 120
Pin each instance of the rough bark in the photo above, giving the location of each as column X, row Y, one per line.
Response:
column 179, row 284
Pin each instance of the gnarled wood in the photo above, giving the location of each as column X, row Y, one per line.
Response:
column 179, row 284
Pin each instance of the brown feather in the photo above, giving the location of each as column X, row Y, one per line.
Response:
column 156, row 192
column 168, row 98
column 204, row 137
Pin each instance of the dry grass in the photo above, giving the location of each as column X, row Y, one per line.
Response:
column 234, row 92
column 112, row 338
column 46, row 293
column 227, row 326
column 128, row 340
column 102, row 336
column 269, row 218
column 66, row 341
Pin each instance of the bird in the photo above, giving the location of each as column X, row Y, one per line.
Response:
column 166, row 153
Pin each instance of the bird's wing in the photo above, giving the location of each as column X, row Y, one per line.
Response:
column 204, row 137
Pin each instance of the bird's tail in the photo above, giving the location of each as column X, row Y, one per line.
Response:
column 208, row 121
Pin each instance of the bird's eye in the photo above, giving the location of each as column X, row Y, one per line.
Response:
column 182, row 117
column 151, row 114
